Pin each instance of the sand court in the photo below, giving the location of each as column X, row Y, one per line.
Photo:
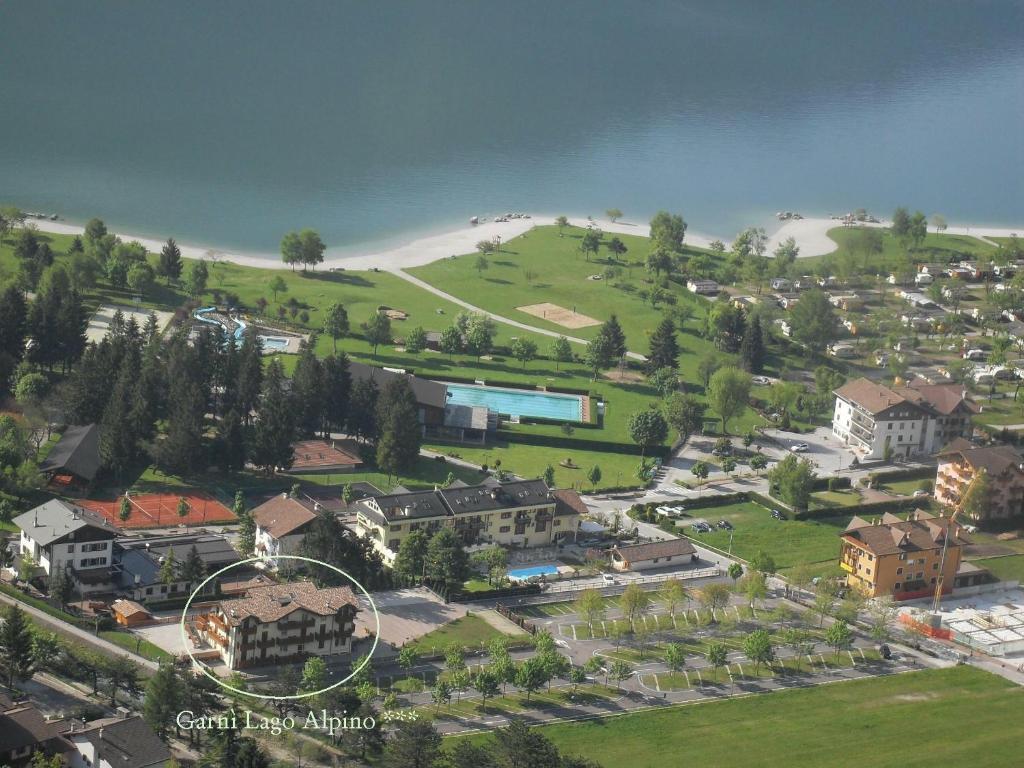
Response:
column 566, row 318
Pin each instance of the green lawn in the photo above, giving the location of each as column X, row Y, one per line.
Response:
column 790, row 542
column 1009, row 568
column 903, row 721
column 136, row 644
column 469, row 632
column 847, row 498
column 934, row 248
column 906, row 487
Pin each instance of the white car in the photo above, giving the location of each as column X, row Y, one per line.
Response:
column 608, row 578
column 919, row 493
column 799, row 447
column 763, row 380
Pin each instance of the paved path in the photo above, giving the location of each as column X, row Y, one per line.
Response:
column 70, row 629
column 497, row 318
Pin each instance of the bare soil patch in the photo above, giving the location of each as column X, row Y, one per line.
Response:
column 566, row 318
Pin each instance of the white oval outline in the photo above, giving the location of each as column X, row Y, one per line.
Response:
column 222, row 684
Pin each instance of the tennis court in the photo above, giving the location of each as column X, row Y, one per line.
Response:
column 160, row 510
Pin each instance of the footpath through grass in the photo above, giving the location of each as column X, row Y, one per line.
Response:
column 904, row 721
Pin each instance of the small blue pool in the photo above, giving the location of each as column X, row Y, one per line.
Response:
column 273, row 342
column 522, row 574
column 519, row 402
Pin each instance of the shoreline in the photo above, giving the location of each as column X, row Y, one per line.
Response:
column 810, row 235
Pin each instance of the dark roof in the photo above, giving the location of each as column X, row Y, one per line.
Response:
column 412, row 504
column 458, row 499
column 329, row 496
column 922, row 531
column 567, row 501
column 140, row 557
column 283, row 516
column 430, row 393
column 639, row 552
column 22, row 725
column 56, row 519
column 77, row 453
column 124, row 742
column 994, row 459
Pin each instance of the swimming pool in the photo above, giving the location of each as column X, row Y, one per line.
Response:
column 519, row 402
column 522, row 574
column 274, row 342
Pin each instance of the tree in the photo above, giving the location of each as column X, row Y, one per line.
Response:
column 414, row 744
column 415, row 340
column 713, row 597
column 900, row 223
column 673, row 593
column 61, row 587
column 398, row 447
column 839, row 637
column 620, row 670
column 169, row 266
column 735, row 571
column 336, row 323
column 675, row 656
column 979, row 493
column 446, row 562
column 814, row 321
column 664, row 348
column 668, row 231
column 164, row 699
column 524, row 350
column 754, row 587
column 752, row 347
column 938, row 222
column 183, row 507
column 16, row 659
column 120, row 673
column 600, row 354
column 590, row 607
column 757, row 646
column 561, row 222
column 684, row 413
column 481, row 263
column 486, row 684
column 665, row 381
column 763, row 563
column 792, row 480
column 451, row 341
column 659, row 260
column 247, row 535
column 590, row 243
column 882, row 611
column 635, row 603
column 918, row 230
column 169, row 569
column 411, row 555
column 728, row 394
column 193, row 570
column 378, row 330
column 594, row 476
column 717, row 656
column 647, row 428
column 700, row 470
column 532, row 675
column 758, row 462
column 613, row 214
column 706, row 368
column 561, row 351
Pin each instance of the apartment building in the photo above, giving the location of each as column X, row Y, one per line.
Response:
column 959, row 464
column 519, row 514
column 280, row 623
column 900, row 558
column 116, row 742
column 60, row 536
column 917, row 419
column 281, row 524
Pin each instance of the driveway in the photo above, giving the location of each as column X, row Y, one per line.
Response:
column 823, row 448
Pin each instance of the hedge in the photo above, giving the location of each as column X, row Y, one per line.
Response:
column 914, row 473
column 876, row 508
column 822, row 483
column 468, row 597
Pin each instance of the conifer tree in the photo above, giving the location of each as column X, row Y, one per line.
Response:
column 752, row 347
column 398, row 446
column 16, row 658
column 664, row 347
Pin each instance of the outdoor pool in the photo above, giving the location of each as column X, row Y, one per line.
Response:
column 274, row 342
column 519, row 402
column 522, row 574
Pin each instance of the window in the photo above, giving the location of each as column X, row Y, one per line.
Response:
column 542, row 526
column 556, row 523
column 71, row 548
column 897, row 587
column 871, row 558
column 668, row 559
column 890, row 425
column 393, row 544
column 920, row 575
column 899, row 571
column 505, row 529
column 654, row 560
column 902, row 426
column 396, row 527
column 149, row 590
column 506, row 515
column 935, row 566
column 933, row 579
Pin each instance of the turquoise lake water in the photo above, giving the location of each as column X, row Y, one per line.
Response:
column 514, row 402
column 229, row 123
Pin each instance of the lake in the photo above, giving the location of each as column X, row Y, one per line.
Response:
column 229, row 123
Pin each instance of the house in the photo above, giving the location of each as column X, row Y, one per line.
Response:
column 75, row 459
column 60, row 536
column 901, row 558
column 439, row 420
column 281, row 522
column 24, row 730
column 280, row 623
column 139, row 560
column 917, row 419
column 702, row 287
column 924, row 278
column 959, row 464
column 781, row 284
column 843, row 351
column 116, row 742
column 916, row 299
column 656, row 554
column 846, row 301
column 128, row 613
column 522, row 513
column 745, row 302
column 322, row 457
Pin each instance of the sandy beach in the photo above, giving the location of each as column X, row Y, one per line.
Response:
column 810, row 235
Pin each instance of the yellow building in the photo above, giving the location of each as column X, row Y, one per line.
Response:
column 520, row 514
column 900, row 557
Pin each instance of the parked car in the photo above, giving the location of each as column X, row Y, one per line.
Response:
column 919, row 493
column 799, row 447
column 778, row 515
column 725, row 450
column 725, row 525
column 763, row 380
column 608, row 578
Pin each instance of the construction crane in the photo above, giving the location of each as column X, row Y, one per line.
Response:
column 961, row 505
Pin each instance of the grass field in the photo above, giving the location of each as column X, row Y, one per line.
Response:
column 136, row 644
column 934, row 248
column 790, row 542
column 903, row 721
column 469, row 632
column 1009, row 568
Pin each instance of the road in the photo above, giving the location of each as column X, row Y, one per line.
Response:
column 80, row 634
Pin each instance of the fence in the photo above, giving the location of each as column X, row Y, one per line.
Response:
column 561, row 591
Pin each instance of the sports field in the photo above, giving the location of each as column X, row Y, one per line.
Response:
column 160, row 510
column 960, row 716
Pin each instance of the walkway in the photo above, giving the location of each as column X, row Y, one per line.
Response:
column 78, row 633
column 497, row 318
